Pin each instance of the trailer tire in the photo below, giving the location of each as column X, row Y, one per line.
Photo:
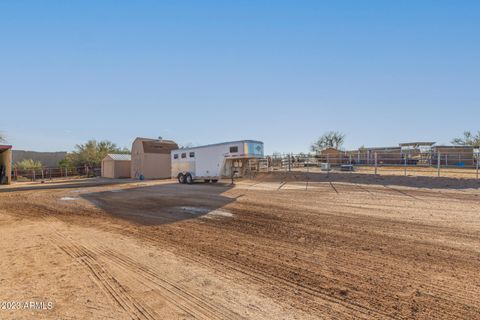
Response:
column 206, row 181
column 214, row 180
column 188, row 178
column 181, row 178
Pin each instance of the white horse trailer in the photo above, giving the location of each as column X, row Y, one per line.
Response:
column 215, row 161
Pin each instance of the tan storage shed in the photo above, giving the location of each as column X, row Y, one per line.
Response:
column 151, row 158
column 116, row 166
column 5, row 164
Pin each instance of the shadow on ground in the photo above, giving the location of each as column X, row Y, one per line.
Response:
column 352, row 177
column 161, row 204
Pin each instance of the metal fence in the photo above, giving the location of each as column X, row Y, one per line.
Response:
column 54, row 173
column 455, row 165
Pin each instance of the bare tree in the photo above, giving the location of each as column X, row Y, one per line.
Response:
column 331, row 139
column 468, row 139
column 2, row 138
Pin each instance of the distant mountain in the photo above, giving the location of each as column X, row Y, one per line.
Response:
column 48, row 159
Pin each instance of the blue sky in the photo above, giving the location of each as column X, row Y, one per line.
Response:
column 201, row 72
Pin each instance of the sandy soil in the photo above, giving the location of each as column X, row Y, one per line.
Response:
column 280, row 246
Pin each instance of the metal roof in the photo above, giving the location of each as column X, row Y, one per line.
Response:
column 119, row 157
column 417, row 144
column 218, row 144
column 5, row 147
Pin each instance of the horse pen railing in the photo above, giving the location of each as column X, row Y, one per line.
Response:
column 34, row 174
column 455, row 165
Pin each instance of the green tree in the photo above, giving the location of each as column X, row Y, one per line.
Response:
column 91, row 153
column 468, row 139
column 331, row 139
column 28, row 164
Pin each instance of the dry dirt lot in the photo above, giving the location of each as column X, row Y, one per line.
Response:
column 276, row 247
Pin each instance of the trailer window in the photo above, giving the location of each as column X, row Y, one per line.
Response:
column 175, row 156
column 192, row 155
column 233, row 149
column 184, row 155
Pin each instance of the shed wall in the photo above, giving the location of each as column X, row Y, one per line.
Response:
column 116, row 169
column 108, row 169
column 122, row 169
column 155, row 164
column 6, row 160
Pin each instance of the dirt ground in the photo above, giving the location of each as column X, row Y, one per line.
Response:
column 280, row 246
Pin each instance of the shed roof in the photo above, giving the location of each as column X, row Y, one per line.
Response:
column 155, row 145
column 5, row 147
column 118, row 157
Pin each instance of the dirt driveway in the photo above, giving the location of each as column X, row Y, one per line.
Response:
column 277, row 247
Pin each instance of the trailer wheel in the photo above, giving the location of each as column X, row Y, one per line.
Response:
column 181, row 178
column 188, row 178
column 214, row 180
column 206, row 181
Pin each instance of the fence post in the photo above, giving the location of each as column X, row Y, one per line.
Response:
column 478, row 159
column 405, row 165
column 376, row 162
column 438, row 164
column 308, row 177
column 289, row 162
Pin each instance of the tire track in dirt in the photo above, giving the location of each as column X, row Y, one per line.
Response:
column 372, row 195
column 196, row 306
column 437, row 289
column 333, row 187
column 104, row 279
column 402, row 192
column 223, row 264
column 101, row 276
column 262, row 278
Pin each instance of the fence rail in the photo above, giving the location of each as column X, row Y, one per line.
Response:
column 458, row 164
column 53, row 173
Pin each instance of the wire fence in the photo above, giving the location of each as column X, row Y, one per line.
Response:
column 54, row 173
column 440, row 164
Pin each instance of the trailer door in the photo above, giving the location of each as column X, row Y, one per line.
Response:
column 209, row 161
